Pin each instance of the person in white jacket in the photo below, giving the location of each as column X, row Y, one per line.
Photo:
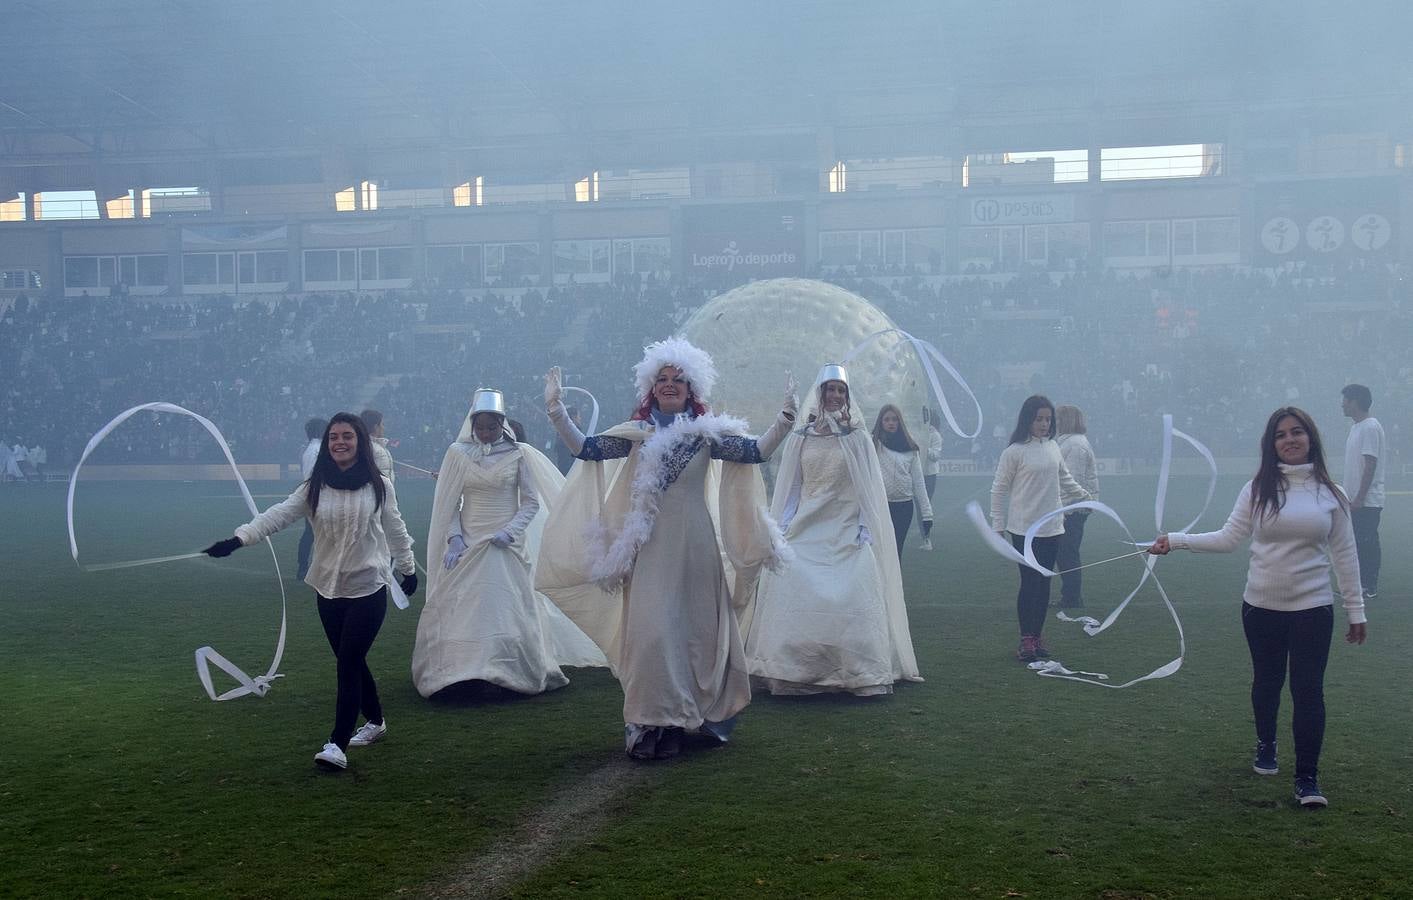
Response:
column 1031, row 480
column 1298, row 522
column 900, row 460
column 357, row 530
column 1078, row 455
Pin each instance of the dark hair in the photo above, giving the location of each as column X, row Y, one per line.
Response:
column 645, row 408
column 372, row 418
column 363, row 471
column 899, row 440
column 1029, row 409
column 1360, row 395
column 1269, row 486
column 314, row 427
column 517, row 430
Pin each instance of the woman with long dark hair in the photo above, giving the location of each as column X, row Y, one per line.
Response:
column 1299, row 525
column 900, row 460
column 357, row 529
column 1031, row 480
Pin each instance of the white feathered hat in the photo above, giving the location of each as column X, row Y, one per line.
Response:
column 680, row 353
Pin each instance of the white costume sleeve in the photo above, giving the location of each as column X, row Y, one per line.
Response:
column 399, row 541
column 529, row 502
column 569, row 433
column 920, row 498
column 280, row 516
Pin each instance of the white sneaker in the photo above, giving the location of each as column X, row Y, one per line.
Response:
column 331, row 757
column 926, row 544
column 369, row 734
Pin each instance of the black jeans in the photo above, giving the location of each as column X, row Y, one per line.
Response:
column 901, row 513
column 1033, row 599
column 1071, row 583
column 1301, row 639
column 351, row 624
column 1366, row 541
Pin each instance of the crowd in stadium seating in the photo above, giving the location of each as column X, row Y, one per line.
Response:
column 1219, row 348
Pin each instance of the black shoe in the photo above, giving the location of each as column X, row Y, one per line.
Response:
column 1265, row 762
column 646, row 747
column 1307, row 791
column 670, row 744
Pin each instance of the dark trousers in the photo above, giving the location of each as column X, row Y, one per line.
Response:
column 306, row 548
column 1068, row 558
column 902, row 514
column 1033, row 599
column 1366, row 541
column 931, row 483
column 1301, row 641
column 351, row 624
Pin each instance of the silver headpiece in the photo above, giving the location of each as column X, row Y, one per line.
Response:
column 487, row 400
column 833, row 372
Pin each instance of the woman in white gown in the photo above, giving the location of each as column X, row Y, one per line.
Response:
column 483, row 621
column 832, row 619
column 634, row 551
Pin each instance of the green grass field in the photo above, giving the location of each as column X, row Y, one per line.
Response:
column 118, row 777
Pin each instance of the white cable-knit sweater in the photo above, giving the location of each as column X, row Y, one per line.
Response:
column 1291, row 552
column 1031, row 480
column 903, row 479
column 352, row 541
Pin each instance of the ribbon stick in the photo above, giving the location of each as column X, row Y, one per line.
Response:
column 1165, row 470
column 593, row 416
column 414, row 468
column 927, row 353
column 205, row 656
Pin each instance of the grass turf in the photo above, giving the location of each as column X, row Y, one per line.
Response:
column 119, row 777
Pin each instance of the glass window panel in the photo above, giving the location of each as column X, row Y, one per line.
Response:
column 494, row 260
column 978, row 246
column 1214, row 236
column 521, row 261
column 1183, row 238
column 81, row 272
column 1068, row 243
column 1036, row 249
column 571, row 257
column 442, row 261
column 623, row 257
column 368, row 264
column 838, row 248
column 1011, row 248
column 1125, row 239
column 870, row 248
column 598, row 257
column 652, row 255
column 226, row 267
column 924, row 249
column 105, row 271
column 321, row 265
column 471, row 259
column 152, row 270
column 1157, row 238
column 127, row 270
column 272, row 266
column 394, row 263
column 247, row 268
column 895, row 251
column 348, row 265
column 199, row 268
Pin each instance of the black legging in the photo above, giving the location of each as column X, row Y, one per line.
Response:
column 1033, row 599
column 351, row 624
column 901, row 513
column 1303, row 637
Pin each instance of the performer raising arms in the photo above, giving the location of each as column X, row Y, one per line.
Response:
column 632, row 553
column 833, row 618
column 1299, row 526
column 482, row 621
column 357, row 529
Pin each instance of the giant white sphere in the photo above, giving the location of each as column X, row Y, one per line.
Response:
column 758, row 332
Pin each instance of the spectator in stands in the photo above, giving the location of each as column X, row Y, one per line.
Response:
column 1299, row 525
column 314, row 436
column 1031, row 481
column 357, row 529
column 1365, row 452
column 1078, row 455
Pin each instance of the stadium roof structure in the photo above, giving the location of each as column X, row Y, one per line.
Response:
column 166, row 88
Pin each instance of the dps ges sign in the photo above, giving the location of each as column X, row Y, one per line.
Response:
column 1021, row 209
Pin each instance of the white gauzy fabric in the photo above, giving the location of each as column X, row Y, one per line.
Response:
column 205, row 656
column 927, row 353
column 1092, row 626
column 593, row 425
column 483, row 620
column 833, row 617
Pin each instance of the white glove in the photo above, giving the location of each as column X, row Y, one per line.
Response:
column 791, row 407
column 554, row 390
column 502, row 539
column 455, row 549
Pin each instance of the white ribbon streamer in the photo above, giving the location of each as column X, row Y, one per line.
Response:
column 205, row 656
column 593, row 416
column 926, row 353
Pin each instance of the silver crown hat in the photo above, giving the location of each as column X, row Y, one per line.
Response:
column 487, row 400
column 833, row 372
